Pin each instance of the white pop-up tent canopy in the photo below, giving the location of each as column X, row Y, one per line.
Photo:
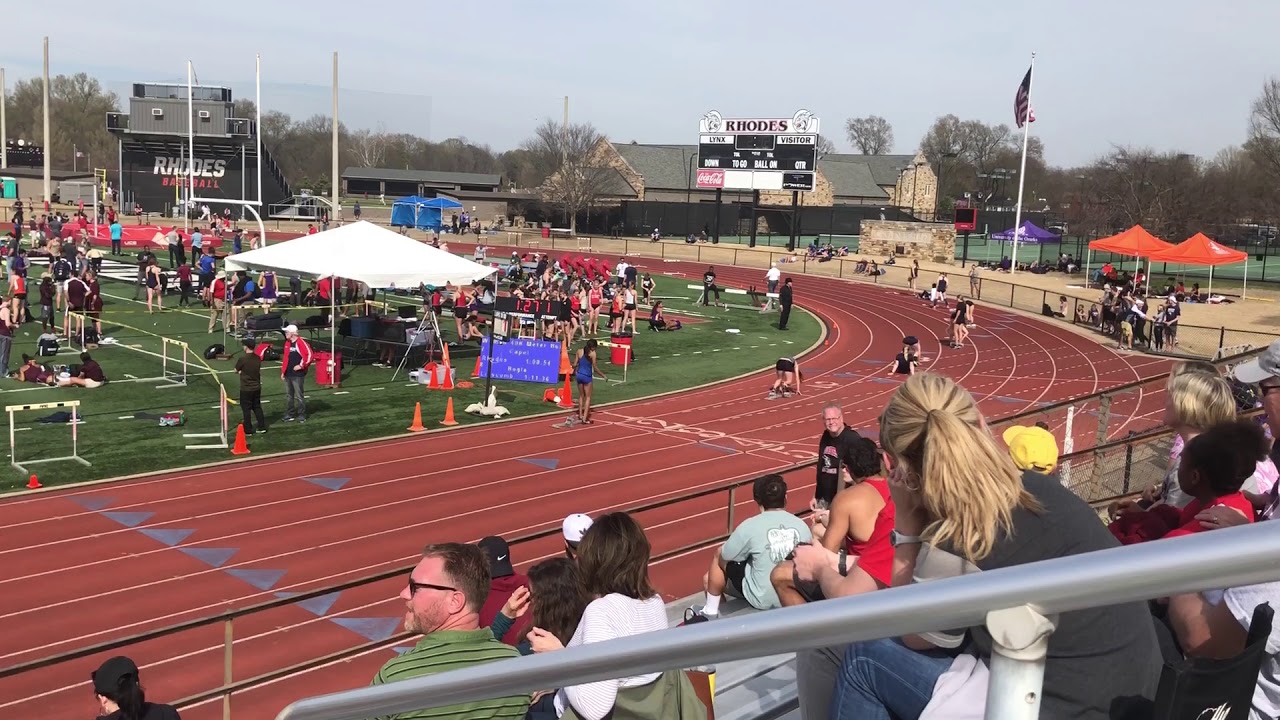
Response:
column 367, row 253
column 364, row 252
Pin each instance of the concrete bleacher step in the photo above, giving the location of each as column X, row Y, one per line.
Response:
column 760, row 688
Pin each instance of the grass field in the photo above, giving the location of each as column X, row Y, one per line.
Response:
column 121, row 435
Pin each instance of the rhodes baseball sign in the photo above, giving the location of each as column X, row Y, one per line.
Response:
column 154, row 179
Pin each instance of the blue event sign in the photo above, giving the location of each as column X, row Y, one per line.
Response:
column 523, row 360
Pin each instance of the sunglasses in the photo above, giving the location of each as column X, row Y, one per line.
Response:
column 415, row 586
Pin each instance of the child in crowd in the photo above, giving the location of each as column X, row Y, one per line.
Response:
column 1214, row 466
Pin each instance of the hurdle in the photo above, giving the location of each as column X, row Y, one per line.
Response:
column 221, row 435
column 626, row 359
column 75, row 439
column 168, row 380
column 730, row 291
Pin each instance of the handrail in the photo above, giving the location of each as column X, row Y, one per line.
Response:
column 1229, row 557
column 229, row 615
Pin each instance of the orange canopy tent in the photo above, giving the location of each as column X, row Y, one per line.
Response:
column 1201, row 250
column 1135, row 242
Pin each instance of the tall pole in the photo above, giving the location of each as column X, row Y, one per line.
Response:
column 48, row 157
column 191, row 145
column 4, row 129
column 333, row 178
column 1022, row 170
column 257, row 133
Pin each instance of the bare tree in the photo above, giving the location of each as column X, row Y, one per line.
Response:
column 1264, row 128
column 871, row 135
column 982, row 142
column 369, row 148
column 944, row 138
column 826, row 146
column 578, row 178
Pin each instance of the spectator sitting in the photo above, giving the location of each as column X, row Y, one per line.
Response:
column 503, row 581
column 1212, row 468
column 89, row 375
column 573, row 528
column 613, row 558
column 554, row 598
column 120, row 697
column 963, row 507
column 1032, row 448
column 444, row 595
column 741, row 567
column 854, row 533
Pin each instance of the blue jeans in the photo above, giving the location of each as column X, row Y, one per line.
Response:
column 885, row 680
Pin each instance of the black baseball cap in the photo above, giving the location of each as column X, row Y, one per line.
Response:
column 106, row 679
column 499, row 556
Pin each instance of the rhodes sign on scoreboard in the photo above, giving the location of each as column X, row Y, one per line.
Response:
column 758, row 153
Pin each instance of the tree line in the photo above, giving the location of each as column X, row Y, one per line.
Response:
column 1172, row 194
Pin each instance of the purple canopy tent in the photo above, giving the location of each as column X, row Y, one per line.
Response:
column 1029, row 234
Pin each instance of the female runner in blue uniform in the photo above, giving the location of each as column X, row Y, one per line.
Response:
column 585, row 371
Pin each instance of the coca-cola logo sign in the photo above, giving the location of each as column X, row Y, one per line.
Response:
column 711, row 178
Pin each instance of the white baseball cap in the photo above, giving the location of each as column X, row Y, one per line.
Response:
column 291, row 329
column 1263, row 367
column 574, row 527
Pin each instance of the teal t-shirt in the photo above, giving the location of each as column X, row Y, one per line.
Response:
column 762, row 542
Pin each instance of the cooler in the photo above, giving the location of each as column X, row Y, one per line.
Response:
column 621, row 346
column 324, row 372
column 546, row 231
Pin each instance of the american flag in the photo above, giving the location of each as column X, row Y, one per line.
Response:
column 1022, row 111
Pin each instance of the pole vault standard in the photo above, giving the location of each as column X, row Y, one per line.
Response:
column 250, row 205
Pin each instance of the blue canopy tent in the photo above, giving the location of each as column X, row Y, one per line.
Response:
column 421, row 213
column 1028, row 234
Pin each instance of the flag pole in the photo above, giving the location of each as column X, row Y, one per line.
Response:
column 1022, row 169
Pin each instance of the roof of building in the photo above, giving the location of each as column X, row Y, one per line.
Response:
column 671, row 167
column 421, row 176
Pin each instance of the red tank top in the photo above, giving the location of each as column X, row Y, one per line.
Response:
column 575, row 303
column 876, row 554
column 594, row 296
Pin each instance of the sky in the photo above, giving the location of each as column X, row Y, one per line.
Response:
column 1178, row 75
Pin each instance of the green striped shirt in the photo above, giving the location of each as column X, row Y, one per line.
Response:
column 452, row 650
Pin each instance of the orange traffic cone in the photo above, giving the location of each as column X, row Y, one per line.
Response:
column 417, row 418
column 241, row 446
column 448, row 379
column 448, row 414
column 432, row 382
column 34, row 483
column 565, row 366
column 566, row 395
column 444, row 355
column 476, row 373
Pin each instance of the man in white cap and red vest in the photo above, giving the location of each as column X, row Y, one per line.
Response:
column 297, row 358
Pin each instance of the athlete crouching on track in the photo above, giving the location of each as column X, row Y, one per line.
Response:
column 787, row 380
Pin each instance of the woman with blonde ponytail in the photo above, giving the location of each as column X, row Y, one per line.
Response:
column 963, row 507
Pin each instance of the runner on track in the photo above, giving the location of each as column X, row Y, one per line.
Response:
column 787, row 380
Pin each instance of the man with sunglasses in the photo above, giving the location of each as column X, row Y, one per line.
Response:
column 443, row 597
column 1264, row 372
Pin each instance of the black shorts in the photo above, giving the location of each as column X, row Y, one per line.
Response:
column 629, row 306
column 734, row 572
column 785, row 365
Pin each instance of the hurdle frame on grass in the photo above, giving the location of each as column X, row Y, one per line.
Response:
column 626, row 358
column 702, row 295
column 167, row 380
column 223, row 426
column 11, row 410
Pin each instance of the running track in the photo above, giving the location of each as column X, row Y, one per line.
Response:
column 109, row 561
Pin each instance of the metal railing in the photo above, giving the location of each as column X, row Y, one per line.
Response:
column 1009, row 601
column 1096, row 474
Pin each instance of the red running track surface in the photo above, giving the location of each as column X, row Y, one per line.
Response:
column 92, row 564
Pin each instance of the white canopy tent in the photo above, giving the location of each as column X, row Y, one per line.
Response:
column 364, row 252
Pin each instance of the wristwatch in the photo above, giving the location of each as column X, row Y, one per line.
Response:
column 896, row 538
column 843, row 565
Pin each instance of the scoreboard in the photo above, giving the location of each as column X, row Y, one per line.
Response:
column 758, row 154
